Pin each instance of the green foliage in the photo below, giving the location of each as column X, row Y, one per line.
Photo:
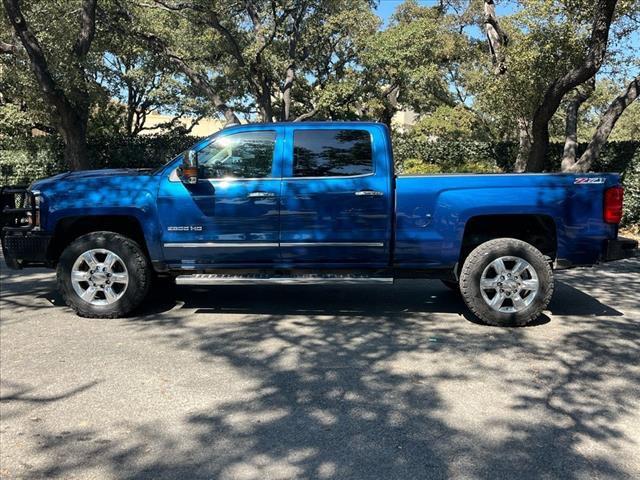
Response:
column 449, row 123
column 23, row 160
column 420, row 155
column 21, row 164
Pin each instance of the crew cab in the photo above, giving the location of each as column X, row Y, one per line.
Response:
column 308, row 203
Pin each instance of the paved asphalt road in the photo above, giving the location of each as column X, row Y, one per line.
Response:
column 322, row 382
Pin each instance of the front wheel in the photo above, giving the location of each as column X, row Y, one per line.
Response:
column 103, row 275
column 506, row 282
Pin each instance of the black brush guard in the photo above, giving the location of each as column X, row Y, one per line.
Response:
column 22, row 243
column 16, row 204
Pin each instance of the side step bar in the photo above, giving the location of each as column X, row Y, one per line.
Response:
column 211, row 279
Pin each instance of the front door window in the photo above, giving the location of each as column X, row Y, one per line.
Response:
column 240, row 155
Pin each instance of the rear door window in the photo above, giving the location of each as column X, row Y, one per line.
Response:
column 332, row 153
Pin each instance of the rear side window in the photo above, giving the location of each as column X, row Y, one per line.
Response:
column 331, row 153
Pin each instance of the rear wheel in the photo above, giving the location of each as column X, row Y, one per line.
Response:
column 506, row 282
column 103, row 275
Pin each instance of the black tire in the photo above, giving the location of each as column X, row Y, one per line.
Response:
column 451, row 285
column 486, row 253
column 133, row 257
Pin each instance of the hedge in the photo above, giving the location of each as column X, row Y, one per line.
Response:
column 26, row 159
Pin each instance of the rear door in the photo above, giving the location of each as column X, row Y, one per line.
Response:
column 336, row 196
column 231, row 216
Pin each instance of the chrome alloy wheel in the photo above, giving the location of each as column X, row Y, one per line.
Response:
column 509, row 284
column 99, row 277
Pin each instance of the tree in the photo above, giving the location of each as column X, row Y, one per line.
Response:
column 539, row 48
column 140, row 85
column 69, row 104
column 407, row 64
column 560, row 86
column 271, row 58
column 607, row 122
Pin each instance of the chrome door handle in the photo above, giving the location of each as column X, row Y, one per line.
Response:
column 261, row 195
column 369, row 193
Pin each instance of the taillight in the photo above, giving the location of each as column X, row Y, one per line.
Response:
column 613, row 204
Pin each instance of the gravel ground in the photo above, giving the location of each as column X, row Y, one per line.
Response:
column 321, row 382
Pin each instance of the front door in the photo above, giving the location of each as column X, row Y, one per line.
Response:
column 231, row 216
column 336, row 196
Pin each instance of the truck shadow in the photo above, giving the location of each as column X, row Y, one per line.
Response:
column 409, row 296
column 406, row 296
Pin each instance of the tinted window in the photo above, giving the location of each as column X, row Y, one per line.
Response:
column 331, row 153
column 240, row 155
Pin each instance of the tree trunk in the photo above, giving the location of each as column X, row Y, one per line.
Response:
column 286, row 92
column 524, row 144
column 607, row 122
column 571, row 125
column 294, row 34
column 561, row 86
column 75, row 149
column 496, row 37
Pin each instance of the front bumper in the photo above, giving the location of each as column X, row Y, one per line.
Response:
column 619, row 249
column 23, row 249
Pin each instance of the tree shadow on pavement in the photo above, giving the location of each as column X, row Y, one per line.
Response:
column 330, row 399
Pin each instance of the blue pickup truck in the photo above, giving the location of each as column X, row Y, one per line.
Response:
column 308, row 203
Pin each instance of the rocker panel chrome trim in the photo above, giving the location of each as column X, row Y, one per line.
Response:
column 205, row 279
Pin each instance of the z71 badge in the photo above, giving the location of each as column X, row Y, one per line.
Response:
column 589, row 180
column 185, row 228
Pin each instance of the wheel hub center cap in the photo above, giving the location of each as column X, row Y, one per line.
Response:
column 510, row 285
column 99, row 278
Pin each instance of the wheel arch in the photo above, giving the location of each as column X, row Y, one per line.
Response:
column 69, row 228
column 538, row 230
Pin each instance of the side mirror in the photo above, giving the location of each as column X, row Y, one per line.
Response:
column 188, row 171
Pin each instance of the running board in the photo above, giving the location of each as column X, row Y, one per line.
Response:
column 211, row 279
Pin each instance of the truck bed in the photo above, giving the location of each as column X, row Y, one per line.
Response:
column 433, row 210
